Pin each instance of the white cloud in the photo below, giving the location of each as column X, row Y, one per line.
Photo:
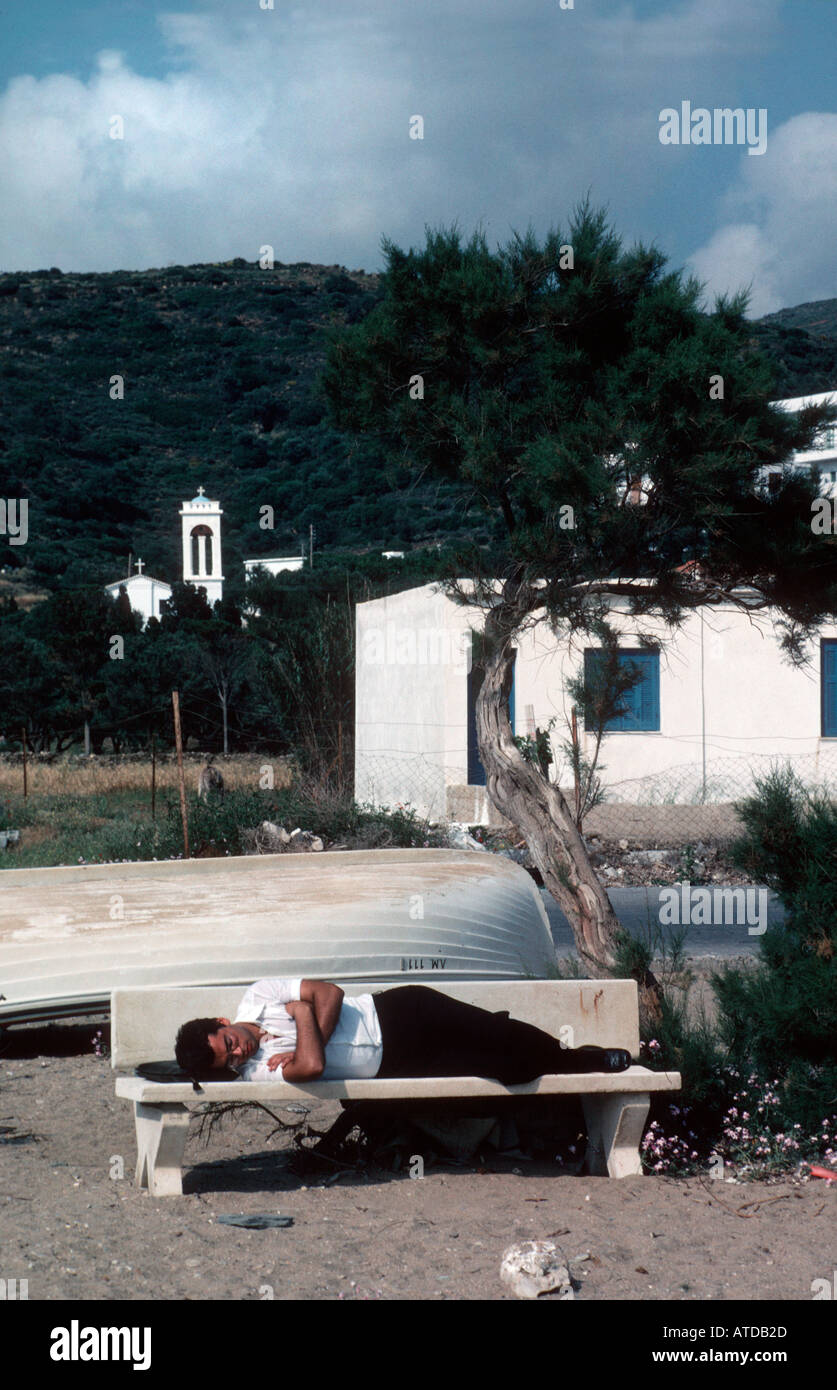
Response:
column 788, row 197
column 695, row 29
column 290, row 127
column 250, row 143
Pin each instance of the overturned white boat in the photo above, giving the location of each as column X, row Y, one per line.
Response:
column 69, row 936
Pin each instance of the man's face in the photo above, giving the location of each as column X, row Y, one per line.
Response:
column 231, row 1044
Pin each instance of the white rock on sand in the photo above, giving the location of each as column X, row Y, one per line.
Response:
column 534, row 1268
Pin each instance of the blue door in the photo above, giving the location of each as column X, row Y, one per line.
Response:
column 829, row 688
column 476, row 771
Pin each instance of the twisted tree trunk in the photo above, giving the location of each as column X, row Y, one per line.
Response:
column 538, row 808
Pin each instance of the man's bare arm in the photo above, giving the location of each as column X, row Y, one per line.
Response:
column 327, row 1000
column 309, row 1059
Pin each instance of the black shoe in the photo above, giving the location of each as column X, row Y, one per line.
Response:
column 606, row 1059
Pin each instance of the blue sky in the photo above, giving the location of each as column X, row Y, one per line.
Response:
column 290, row 127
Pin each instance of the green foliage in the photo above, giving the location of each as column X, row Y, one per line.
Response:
column 802, row 345
column 559, row 384
column 633, row 955
column 537, row 748
column 761, row 1082
column 688, row 865
column 781, row 1019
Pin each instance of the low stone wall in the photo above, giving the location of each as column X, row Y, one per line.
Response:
column 664, row 827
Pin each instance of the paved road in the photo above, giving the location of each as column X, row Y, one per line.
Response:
column 638, row 909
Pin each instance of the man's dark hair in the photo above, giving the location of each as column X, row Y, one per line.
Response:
column 192, row 1050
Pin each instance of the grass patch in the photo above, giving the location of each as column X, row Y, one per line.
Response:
column 113, row 823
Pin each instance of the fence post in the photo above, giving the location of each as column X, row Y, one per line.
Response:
column 23, row 740
column 175, row 699
column 153, row 776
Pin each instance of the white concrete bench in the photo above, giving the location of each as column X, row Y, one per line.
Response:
column 144, row 1023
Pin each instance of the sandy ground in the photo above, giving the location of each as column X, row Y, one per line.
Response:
column 74, row 1231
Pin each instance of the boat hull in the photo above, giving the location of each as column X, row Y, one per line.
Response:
column 70, row 936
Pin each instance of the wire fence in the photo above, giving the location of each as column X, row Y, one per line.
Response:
column 690, row 803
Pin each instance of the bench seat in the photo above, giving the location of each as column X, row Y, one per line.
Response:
column 600, row 1012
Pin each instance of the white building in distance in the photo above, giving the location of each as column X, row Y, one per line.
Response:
column 274, row 565
column 145, row 594
column 824, row 454
column 200, row 526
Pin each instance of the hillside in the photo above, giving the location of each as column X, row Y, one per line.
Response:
column 220, row 366
column 802, row 345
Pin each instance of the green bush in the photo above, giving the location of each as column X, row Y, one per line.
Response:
column 781, row 1018
column 762, row 1089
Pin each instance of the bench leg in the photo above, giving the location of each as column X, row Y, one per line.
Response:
column 614, row 1130
column 161, row 1140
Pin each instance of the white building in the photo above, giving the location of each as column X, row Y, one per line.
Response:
column 274, row 565
column 824, row 454
column 717, row 705
column 145, row 594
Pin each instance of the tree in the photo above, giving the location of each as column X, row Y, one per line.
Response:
column 29, row 680
column 618, row 433
column 226, row 655
column 78, row 627
column 188, row 603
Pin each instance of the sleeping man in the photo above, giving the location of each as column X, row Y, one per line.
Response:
column 308, row 1030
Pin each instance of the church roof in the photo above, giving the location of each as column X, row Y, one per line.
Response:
column 138, row 579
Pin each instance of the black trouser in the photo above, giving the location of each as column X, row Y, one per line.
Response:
column 425, row 1033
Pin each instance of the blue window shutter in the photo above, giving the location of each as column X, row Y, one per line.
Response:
column 829, row 688
column 653, row 687
column 641, row 704
column 646, row 695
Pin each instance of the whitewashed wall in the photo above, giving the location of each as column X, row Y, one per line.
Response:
column 728, row 702
column 411, row 733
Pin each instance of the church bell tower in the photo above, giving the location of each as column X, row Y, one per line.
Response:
column 201, row 529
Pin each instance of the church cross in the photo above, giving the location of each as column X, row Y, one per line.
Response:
column 200, row 492
column 140, row 564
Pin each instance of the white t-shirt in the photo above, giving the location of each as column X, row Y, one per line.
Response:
column 353, row 1050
